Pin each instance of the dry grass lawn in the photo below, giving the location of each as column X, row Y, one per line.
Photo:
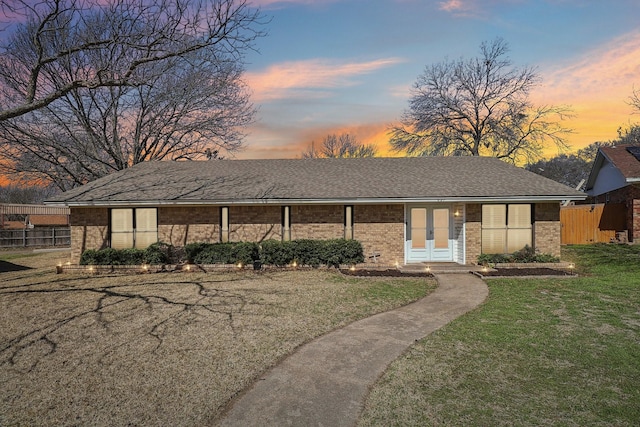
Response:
column 160, row 349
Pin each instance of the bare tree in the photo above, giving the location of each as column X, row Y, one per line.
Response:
column 32, row 194
column 187, row 102
column 634, row 99
column 478, row 107
column 55, row 36
column 567, row 169
column 342, row 146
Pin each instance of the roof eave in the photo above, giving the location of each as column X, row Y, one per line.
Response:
column 355, row 201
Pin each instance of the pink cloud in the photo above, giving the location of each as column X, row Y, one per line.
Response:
column 597, row 85
column 310, row 78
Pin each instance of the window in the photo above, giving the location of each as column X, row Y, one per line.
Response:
column 505, row 228
column 134, row 228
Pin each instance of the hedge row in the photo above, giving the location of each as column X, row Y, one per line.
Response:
column 158, row 253
column 271, row 252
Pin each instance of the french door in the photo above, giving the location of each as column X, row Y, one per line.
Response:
column 429, row 236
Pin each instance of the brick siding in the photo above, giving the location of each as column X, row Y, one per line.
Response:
column 317, row 222
column 546, row 228
column 89, row 230
column 255, row 223
column 473, row 232
column 188, row 224
column 380, row 229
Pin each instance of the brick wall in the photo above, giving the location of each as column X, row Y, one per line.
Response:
column 255, row 223
column 546, row 228
column 317, row 222
column 89, row 230
column 187, row 224
column 473, row 232
column 380, row 229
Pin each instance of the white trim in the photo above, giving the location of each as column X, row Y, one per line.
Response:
column 289, row 202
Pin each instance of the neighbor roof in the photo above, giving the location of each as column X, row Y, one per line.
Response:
column 370, row 180
column 623, row 159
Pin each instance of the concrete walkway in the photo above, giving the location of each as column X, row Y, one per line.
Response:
column 325, row 382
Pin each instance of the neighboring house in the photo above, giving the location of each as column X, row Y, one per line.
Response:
column 615, row 178
column 403, row 210
column 18, row 216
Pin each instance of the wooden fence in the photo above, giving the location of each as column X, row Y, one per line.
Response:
column 601, row 223
column 35, row 237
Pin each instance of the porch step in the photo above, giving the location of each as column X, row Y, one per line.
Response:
column 442, row 268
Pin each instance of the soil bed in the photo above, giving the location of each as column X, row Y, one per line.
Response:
column 392, row 272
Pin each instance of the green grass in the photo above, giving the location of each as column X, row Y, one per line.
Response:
column 538, row 352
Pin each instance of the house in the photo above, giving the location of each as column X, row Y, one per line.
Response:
column 19, row 216
column 615, row 178
column 403, row 210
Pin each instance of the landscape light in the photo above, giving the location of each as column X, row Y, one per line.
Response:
column 188, row 267
column 353, row 268
column 294, row 264
column 428, row 269
column 239, row 265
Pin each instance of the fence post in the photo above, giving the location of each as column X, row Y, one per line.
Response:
column 53, row 232
column 24, row 237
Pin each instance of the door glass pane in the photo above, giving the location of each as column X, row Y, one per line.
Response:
column 418, row 228
column 441, row 228
column 418, row 238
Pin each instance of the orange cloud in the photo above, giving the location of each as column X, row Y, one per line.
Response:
column 300, row 139
column 597, row 86
column 309, row 78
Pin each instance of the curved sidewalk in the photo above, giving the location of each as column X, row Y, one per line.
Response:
column 325, row 382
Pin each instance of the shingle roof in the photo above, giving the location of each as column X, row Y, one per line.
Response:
column 317, row 180
column 622, row 159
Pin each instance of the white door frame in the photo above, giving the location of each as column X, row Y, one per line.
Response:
column 422, row 225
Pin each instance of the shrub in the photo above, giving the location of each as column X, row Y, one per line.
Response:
column 131, row 256
column 223, row 253
column 158, row 253
column 89, row 257
column 214, row 253
column 493, row 258
column 271, row 252
column 192, row 250
column 274, row 252
column 307, row 252
column 524, row 255
column 245, row 252
column 108, row 256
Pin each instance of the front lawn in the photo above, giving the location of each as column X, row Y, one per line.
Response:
column 160, row 349
column 538, row 352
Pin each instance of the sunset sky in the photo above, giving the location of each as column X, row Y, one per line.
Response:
column 333, row 66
